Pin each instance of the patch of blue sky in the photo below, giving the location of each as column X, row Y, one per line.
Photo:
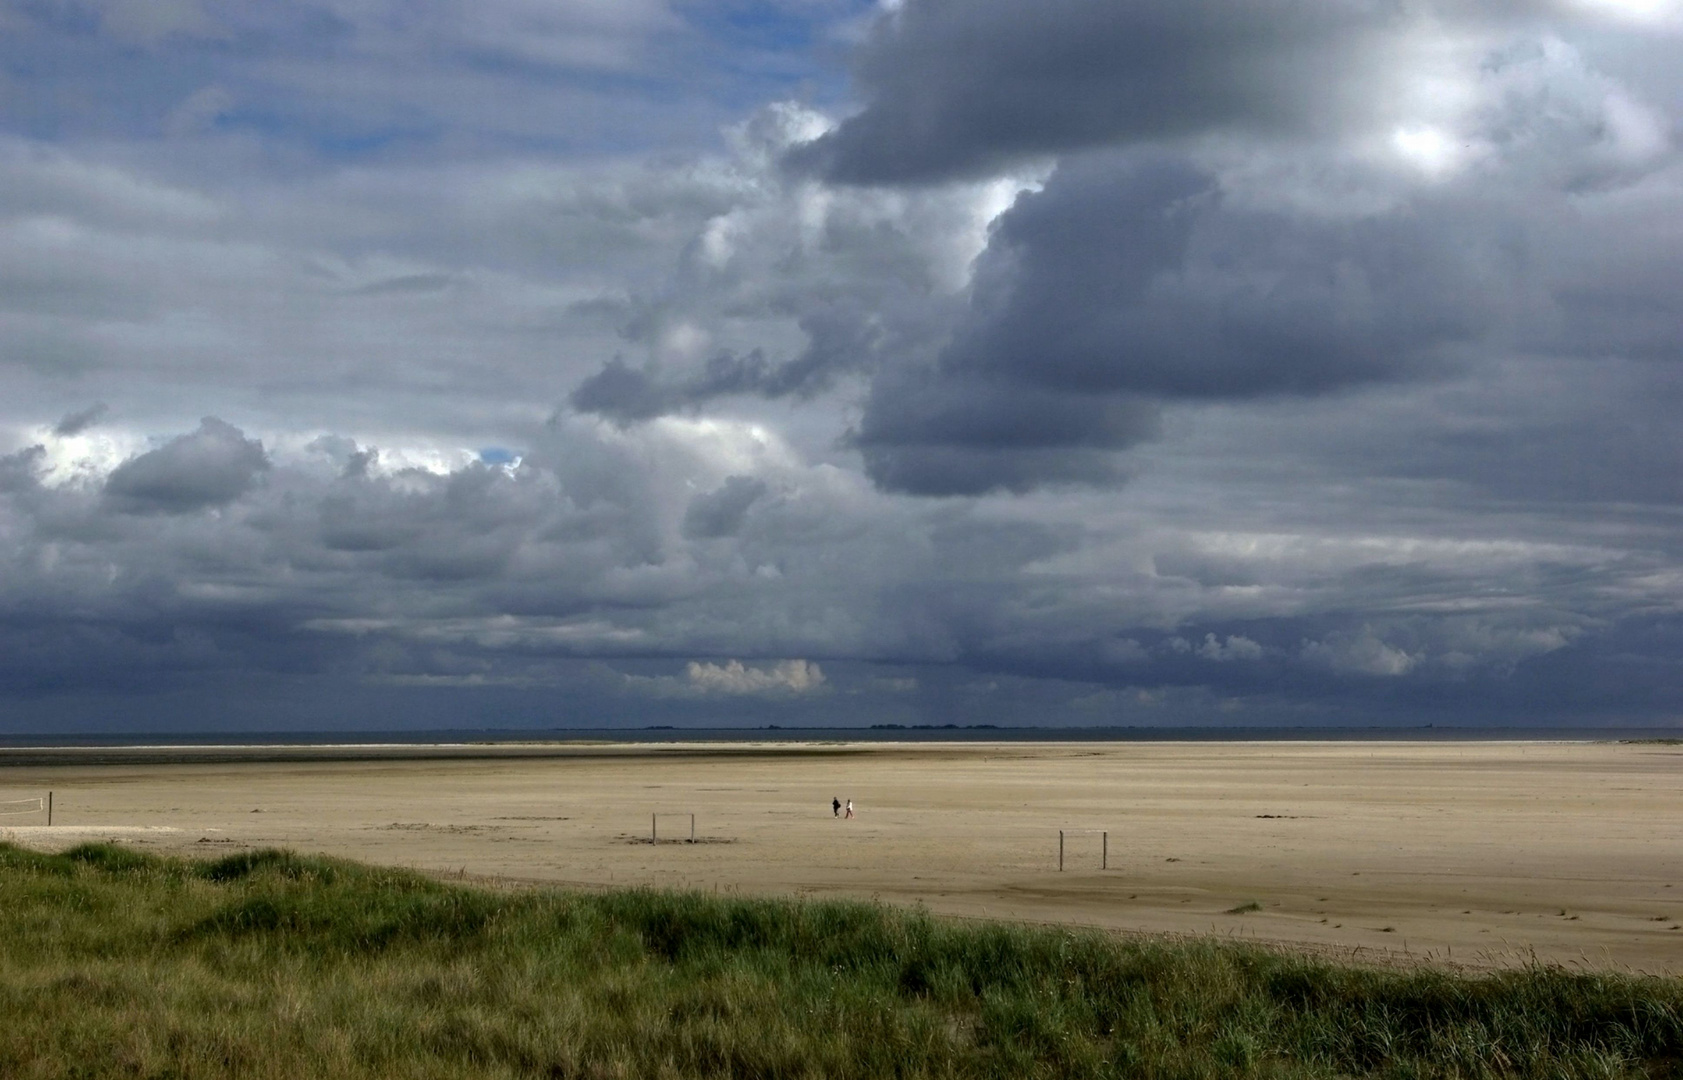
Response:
column 770, row 48
column 299, row 83
column 497, row 455
column 728, row 55
column 70, row 87
column 69, row 19
column 771, row 28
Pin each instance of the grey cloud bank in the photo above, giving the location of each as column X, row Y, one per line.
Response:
column 968, row 88
column 1237, row 363
column 209, row 467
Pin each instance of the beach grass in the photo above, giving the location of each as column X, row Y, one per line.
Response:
column 271, row 964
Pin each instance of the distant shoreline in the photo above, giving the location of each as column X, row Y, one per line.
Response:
column 173, row 748
column 873, row 733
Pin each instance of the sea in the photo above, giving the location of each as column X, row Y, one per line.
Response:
column 947, row 733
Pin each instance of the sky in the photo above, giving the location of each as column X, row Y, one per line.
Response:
column 372, row 364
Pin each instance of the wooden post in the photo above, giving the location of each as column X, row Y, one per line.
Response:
column 654, row 828
column 1060, row 851
column 692, row 828
column 49, row 808
column 1104, row 852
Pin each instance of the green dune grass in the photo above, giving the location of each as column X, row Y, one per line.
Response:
column 276, row 965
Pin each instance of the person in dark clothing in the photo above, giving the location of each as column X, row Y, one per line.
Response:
column 835, row 806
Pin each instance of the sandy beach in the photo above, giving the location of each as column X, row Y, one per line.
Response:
column 1479, row 854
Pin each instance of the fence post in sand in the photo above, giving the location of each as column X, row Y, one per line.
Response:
column 49, row 808
column 654, row 828
column 1104, row 852
column 1060, row 851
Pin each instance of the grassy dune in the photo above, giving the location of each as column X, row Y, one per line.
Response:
column 275, row 965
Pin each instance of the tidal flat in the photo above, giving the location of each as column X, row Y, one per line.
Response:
column 1472, row 855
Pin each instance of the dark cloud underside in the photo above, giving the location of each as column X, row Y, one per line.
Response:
column 957, row 88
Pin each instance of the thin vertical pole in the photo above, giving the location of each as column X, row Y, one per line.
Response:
column 49, row 808
column 654, row 828
column 1104, row 852
column 692, row 828
column 1060, row 851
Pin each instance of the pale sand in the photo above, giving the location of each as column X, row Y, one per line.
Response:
column 1477, row 853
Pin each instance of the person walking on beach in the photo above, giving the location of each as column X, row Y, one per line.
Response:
column 849, row 809
column 835, row 806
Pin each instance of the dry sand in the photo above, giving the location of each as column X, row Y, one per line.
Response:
column 1475, row 853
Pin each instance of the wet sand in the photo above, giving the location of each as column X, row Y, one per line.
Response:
column 1478, row 854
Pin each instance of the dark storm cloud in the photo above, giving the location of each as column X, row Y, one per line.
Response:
column 20, row 470
column 1617, row 263
column 626, row 395
column 77, row 422
column 1155, row 276
column 1548, row 431
column 720, row 513
column 964, row 87
column 492, row 580
column 1136, row 276
column 961, row 433
column 208, row 467
column 623, row 395
column 1129, row 281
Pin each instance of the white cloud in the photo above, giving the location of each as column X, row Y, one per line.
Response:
column 1431, row 150
column 1234, row 648
column 733, row 677
column 1361, row 653
column 1651, row 13
column 1124, row 651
